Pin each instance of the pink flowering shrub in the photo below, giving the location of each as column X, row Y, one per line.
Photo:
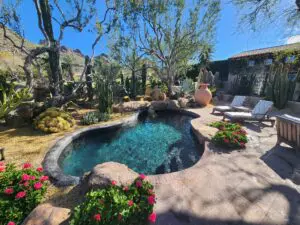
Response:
column 230, row 135
column 21, row 190
column 117, row 205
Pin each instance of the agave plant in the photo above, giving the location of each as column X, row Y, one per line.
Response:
column 11, row 99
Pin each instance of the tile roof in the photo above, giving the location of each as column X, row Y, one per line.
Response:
column 263, row 51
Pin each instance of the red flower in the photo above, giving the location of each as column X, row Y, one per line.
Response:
column 130, row 203
column 125, row 188
column 26, row 184
column 2, row 168
column 151, row 200
column 9, row 191
column 44, row 178
column 242, row 144
column 226, row 140
column 151, row 192
column 138, row 183
column 11, row 223
column 97, row 217
column 2, row 164
column 26, row 165
column 39, row 169
column 32, row 177
column 114, row 183
column 152, row 217
column 21, row 194
column 120, row 217
column 38, row 185
column 25, row 177
column 142, row 176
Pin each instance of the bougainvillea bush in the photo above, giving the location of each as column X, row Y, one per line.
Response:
column 230, row 135
column 118, row 205
column 21, row 190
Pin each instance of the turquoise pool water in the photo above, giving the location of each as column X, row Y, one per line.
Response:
column 157, row 145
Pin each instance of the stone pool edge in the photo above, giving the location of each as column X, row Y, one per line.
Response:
column 50, row 162
column 59, row 178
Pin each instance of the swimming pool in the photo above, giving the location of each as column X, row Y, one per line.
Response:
column 153, row 145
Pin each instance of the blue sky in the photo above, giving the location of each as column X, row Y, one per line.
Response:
column 230, row 39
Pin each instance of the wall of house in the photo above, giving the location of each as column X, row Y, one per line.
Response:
column 241, row 67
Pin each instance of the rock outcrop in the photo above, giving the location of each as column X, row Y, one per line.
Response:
column 47, row 214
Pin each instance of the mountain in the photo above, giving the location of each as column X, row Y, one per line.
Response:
column 12, row 58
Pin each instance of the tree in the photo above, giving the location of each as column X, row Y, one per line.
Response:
column 174, row 32
column 126, row 52
column 256, row 11
column 76, row 16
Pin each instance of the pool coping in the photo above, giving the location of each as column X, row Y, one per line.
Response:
column 50, row 162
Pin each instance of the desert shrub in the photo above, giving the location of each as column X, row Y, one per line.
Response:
column 21, row 190
column 230, row 135
column 126, row 99
column 117, row 205
column 94, row 117
column 90, row 118
column 54, row 120
column 104, row 116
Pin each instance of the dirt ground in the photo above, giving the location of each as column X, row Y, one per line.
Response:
column 27, row 144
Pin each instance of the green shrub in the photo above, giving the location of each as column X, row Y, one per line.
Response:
column 54, row 120
column 21, row 190
column 104, row 117
column 90, row 118
column 230, row 135
column 117, row 205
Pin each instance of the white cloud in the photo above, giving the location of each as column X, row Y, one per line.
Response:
column 293, row 39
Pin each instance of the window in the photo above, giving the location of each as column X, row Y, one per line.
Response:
column 290, row 59
column 292, row 76
column 268, row 61
column 251, row 63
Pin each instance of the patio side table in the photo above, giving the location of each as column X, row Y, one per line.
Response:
column 288, row 130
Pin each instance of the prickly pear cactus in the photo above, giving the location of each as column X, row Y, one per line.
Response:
column 54, row 120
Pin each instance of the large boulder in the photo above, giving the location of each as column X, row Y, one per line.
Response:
column 202, row 131
column 103, row 174
column 130, row 106
column 183, row 102
column 48, row 214
column 13, row 119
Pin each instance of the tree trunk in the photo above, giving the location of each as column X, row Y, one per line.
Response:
column 171, row 75
column 54, row 63
column 54, row 53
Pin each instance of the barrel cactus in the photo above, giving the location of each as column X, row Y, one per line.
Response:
column 54, row 120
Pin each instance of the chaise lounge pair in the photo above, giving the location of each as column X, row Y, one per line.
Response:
column 237, row 112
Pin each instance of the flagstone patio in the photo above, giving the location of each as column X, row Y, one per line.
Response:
column 251, row 186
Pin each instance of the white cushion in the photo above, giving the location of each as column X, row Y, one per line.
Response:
column 261, row 109
column 239, row 115
column 223, row 108
column 238, row 100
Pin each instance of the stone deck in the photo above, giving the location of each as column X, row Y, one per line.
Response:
column 250, row 187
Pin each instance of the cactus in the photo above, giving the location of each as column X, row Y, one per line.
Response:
column 279, row 88
column 206, row 76
column 144, row 78
column 54, row 120
column 11, row 99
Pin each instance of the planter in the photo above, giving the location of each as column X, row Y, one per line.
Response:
column 203, row 95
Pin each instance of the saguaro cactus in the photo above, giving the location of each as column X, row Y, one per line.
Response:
column 280, row 87
column 144, row 78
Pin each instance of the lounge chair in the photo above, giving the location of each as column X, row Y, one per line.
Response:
column 259, row 113
column 235, row 104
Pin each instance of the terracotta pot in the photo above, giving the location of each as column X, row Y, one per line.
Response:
column 203, row 95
